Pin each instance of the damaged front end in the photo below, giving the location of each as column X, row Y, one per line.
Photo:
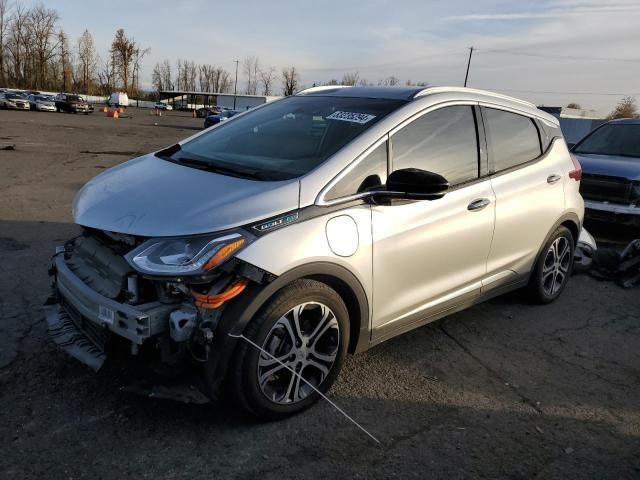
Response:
column 153, row 302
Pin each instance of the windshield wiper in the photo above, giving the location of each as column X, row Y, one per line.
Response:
column 168, row 152
column 215, row 168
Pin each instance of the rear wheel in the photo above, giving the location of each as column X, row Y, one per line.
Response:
column 303, row 333
column 553, row 269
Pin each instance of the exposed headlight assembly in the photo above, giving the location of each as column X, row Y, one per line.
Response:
column 193, row 255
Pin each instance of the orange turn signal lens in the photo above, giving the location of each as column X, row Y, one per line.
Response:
column 223, row 254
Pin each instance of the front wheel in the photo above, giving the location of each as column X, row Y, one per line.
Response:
column 553, row 269
column 303, row 332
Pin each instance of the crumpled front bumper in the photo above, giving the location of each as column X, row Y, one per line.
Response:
column 81, row 320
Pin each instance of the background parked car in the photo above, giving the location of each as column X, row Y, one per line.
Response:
column 204, row 112
column 219, row 117
column 118, row 99
column 42, row 103
column 14, row 101
column 162, row 106
column 610, row 159
column 70, row 103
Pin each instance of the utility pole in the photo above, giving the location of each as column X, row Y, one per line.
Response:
column 466, row 77
column 235, row 88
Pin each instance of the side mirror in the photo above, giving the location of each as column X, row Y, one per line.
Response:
column 414, row 184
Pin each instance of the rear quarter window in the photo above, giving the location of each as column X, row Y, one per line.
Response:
column 512, row 139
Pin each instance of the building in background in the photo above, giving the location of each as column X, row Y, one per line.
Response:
column 194, row 100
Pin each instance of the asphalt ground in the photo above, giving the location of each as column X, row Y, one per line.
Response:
column 503, row 390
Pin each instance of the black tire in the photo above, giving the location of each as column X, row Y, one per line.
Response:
column 244, row 381
column 551, row 274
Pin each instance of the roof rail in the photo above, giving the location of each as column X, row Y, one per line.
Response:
column 321, row 88
column 430, row 90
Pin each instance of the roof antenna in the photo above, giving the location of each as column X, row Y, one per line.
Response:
column 466, row 77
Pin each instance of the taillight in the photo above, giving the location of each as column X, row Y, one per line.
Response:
column 576, row 173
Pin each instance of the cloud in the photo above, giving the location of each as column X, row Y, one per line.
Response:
column 566, row 10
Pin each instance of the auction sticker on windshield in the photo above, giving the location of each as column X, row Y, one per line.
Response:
column 353, row 117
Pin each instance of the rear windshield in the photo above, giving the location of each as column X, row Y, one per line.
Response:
column 287, row 138
column 622, row 140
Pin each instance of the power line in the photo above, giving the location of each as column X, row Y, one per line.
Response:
column 561, row 93
column 406, row 62
column 560, row 57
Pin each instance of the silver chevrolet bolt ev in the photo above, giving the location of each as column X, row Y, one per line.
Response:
column 254, row 255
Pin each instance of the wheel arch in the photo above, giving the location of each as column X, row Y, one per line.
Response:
column 239, row 312
column 569, row 220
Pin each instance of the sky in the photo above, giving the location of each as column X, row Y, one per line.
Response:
column 550, row 52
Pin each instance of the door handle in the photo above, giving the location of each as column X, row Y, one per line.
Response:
column 551, row 179
column 478, row 204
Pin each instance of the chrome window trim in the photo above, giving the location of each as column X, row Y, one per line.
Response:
column 517, row 111
column 320, row 200
column 325, row 203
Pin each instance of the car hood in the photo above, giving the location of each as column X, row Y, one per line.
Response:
column 152, row 197
column 610, row 165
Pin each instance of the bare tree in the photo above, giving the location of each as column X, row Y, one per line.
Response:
column 574, row 105
column 4, row 23
column 42, row 25
column 223, row 81
column 205, row 77
column 290, row 81
column 106, row 76
column 66, row 65
column 350, row 78
column 137, row 60
column 123, row 50
column 626, row 108
column 18, row 45
column 267, row 77
column 251, row 68
column 87, row 60
column 390, row 81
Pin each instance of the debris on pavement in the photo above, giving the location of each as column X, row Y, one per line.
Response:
column 623, row 268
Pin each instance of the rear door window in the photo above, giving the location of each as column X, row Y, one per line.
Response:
column 512, row 139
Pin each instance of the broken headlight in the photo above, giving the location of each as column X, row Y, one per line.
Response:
column 193, row 255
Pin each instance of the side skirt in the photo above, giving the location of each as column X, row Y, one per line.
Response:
column 461, row 304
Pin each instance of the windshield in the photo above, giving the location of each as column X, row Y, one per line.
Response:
column 74, row 98
column 287, row 138
column 621, row 139
column 13, row 96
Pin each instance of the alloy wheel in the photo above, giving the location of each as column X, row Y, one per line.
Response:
column 305, row 340
column 556, row 266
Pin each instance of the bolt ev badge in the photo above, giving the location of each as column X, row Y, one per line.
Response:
column 276, row 222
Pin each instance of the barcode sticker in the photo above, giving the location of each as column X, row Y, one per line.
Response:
column 353, row 117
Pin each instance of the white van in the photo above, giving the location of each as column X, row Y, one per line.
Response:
column 118, row 99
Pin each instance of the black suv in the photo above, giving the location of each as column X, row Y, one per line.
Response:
column 72, row 104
